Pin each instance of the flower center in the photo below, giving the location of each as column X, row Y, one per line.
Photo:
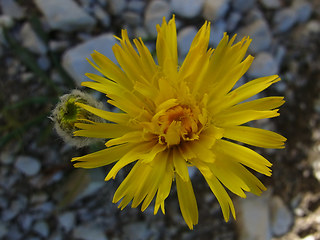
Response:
column 179, row 123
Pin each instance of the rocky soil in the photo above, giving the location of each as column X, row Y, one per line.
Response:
column 43, row 51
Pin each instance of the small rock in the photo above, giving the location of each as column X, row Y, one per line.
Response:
column 243, row 5
column 263, row 65
column 117, row 6
column 27, row 165
column 271, row 4
column 187, row 8
column 137, row 230
column 65, row 15
column 6, row 21
column 67, row 220
column 253, row 217
column 280, row 53
column 281, row 217
column 6, row 158
column 58, row 45
column 185, row 38
column 44, row 62
column 132, row 18
column 140, row 32
column 136, row 6
column 12, row 9
column 87, row 232
column 233, row 20
column 155, row 11
column 3, row 230
column 26, row 221
column 218, row 29
column 74, row 60
column 96, row 177
column 302, row 9
column 260, row 34
column 31, row 41
column 42, row 228
column 215, row 9
column 102, row 16
column 14, row 232
column 284, row 20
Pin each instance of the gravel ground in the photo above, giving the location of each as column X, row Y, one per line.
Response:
column 43, row 46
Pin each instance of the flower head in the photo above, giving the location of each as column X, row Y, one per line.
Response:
column 176, row 116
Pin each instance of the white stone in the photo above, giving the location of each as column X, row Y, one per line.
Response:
column 253, row 217
column 243, row 5
column 87, row 232
column 31, row 41
column 284, row 20
column 67, row 220
column 263, row 65
column 117, row 6
column 42, row 228
column 281, row 217
column 271, row 4
column 215, row 9
column 218, row 29
column 155, row 11
column 12, row 9
column 27, row 165
column 260, row 34
column 303, row 10
column 187, row 8
column 185, row 38
column 65, row 15
column 74, row 59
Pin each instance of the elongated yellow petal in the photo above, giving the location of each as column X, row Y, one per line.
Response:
column 180, row 165
column 255, row 136
column 262, row 104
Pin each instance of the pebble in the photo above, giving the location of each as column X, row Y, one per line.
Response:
column 187, row 8
column 74, row 59
column 96, row 182
column 233, row 21
column 136, row 6
column 243, row 5
column 215, row 9
column 260, row 34
column 42, row 228
column 58, row 45
column 65, row 15
column 28, row 165
column 302, row 9
column 44, row 62
column 263, row 65
column 67, row 220
column 31, row 41
column 102, row 16
column 271, row 4
column 218, row 29
column 253, row 217
column 3, row 230
column 117, row 6
column 88, row 232
column 136, row 230
column 154, row 13
column 12, row 9
column 132, row 18
column 185, row 38
column 6, row 157
column 284, row 20
column 6, row 21
column 281, row 217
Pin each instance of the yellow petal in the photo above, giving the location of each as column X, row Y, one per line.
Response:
column 262, row 104
column 180, row 165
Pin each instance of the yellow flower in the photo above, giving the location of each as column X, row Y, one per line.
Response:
column 175, row 117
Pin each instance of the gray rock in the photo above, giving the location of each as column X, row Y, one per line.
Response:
column 303, row 10
column 27, row 165
column 253, row 217
column 58, row 45
column 6, row 157
column 187, row 8
column 137, row 230
column 96, row 177
column 281, row 217
column 3, row 230
column 284, row 20
column 218, row 29
column 260, row 34
column 26, row 221
column 31, row 41
column 263, row 65
column 271, row 4
column 102, row 16
column 56, row 236
column 132, row 18
column 140, row 32
column 185, row 38
column 155, row 11
column 243, row 5
column 74, row 60
column 65, row 15
column 6, row 21
column 42, row 228
column 233, row 20
column 117, row 6
column 215, row 9
column 44, row 62
column 88, row 232
column 67, row 221
column 280, row 53
column 136, row 6
column 14, row 232
column 12, row 9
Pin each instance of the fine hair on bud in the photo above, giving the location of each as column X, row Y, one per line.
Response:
column 67, row 113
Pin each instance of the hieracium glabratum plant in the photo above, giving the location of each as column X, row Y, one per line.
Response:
column 174, row 117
